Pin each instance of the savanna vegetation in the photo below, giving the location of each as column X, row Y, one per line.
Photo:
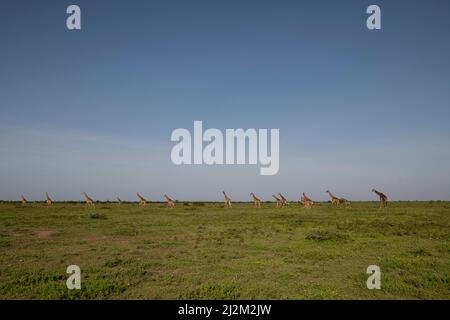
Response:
column 204, row 251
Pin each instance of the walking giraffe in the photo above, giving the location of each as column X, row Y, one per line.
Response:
column 256, row 200
column 334, row 199
column 283, row 200
column 170, row 202
column 24, row 200
column 278, row 200
column 227, row 200
column 337, row 201
column 48, row 200
column 142, row 200
column 89, row 200
column 306, row 201
column 383, row 198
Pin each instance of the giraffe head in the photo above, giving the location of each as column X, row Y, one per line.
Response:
column 373, row 190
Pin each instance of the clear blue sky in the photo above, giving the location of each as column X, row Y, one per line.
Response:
column 93, row 110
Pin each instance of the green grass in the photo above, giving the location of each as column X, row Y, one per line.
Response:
column 203, row 251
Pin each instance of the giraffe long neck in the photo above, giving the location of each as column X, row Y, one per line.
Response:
column 332, row 195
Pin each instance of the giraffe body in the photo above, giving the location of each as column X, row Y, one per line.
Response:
column 345, row 201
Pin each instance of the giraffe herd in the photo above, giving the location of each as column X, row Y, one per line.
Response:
column 281, row 201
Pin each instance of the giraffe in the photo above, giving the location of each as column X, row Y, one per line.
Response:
column 302, row 201
column 383, row 198
column 278, row 200
column 306, row 201
column 345, row 202
column 142, row 200
column 170, row 202
column 283, row 200
column 256, row 200
column 89, row 200
column 119, row 201
column 48, row 200
column 227, row 200
column 24, row 200
column 334, row 199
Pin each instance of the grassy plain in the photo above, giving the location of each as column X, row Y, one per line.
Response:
column 203, row 251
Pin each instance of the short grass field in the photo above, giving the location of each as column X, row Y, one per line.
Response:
column 204, row 251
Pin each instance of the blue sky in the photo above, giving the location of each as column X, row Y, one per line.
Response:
column 93, row 110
